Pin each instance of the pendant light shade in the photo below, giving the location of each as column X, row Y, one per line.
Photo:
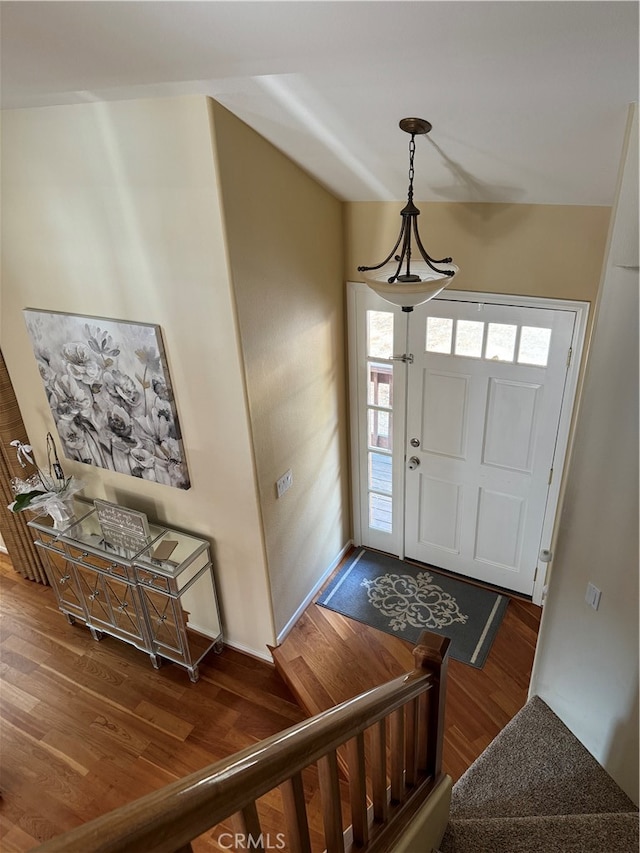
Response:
column 400, row 278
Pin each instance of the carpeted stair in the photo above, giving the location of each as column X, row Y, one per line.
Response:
column 536, row 788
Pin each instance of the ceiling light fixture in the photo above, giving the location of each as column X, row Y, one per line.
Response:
column 421, row 279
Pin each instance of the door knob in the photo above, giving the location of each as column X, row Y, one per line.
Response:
column 413, row 463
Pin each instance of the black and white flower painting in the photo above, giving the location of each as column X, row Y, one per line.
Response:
column 108, row 387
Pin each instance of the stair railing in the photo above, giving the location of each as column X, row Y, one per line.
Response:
column 404, row 723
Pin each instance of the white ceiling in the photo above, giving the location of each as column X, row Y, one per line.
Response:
column 528, row 100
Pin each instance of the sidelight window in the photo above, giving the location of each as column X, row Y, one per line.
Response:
column 380, row 419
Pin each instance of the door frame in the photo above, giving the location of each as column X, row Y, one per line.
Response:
column 565, row 423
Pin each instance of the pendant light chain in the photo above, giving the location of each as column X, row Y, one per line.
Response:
column 412, row 151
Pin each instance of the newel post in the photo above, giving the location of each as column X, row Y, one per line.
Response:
column 431, row 654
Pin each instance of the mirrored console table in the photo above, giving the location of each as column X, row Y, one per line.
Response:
column 156, row 593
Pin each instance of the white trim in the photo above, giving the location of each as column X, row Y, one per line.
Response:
column 485, row 631
column 554, row 503
column 511, row 299
column 345, row 575
column 246, row 650
column 309, row 597
column 354, row 414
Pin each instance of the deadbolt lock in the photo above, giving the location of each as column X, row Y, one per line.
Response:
column 415, row 442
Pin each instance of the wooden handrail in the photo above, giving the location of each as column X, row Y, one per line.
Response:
column 166, row 821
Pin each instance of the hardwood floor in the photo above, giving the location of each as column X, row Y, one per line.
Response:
column 89, row 726
column 328, row 658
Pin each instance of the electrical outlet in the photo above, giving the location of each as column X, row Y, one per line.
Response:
column 593, row 596
column 285, row 482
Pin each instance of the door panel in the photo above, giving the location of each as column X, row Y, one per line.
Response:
column 499, row 528
column 484, row 399
column 439, row 513
column 444, row 414
column 516, row 404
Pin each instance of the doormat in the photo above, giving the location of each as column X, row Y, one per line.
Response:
column 404, row 600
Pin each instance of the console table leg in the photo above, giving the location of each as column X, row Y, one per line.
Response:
column 156, row 660
column 70, row 619
column 194, row 675
column 97, row 635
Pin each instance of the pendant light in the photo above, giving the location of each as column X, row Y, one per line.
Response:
column 401, row 278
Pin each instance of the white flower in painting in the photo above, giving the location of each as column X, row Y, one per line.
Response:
column 68, row 397
column 170, row 448
column 153, row 428
column 148, row 356
column 72, row 435
column 143, row 458
column 122, row 387
column 80, row 362
column 102, row 344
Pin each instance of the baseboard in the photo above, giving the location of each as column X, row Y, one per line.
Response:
column 246, row 650
column 309, row 598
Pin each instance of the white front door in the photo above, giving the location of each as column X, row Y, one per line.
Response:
column 452, row 448
column 485, row 393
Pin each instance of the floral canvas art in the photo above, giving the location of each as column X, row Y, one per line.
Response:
column 108, row 387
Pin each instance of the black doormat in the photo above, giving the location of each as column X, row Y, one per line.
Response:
column 404, row 600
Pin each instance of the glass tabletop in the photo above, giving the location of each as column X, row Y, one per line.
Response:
column 88, row 532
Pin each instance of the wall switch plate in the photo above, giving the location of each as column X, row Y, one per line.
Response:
column 593, row 596
column 285, row 482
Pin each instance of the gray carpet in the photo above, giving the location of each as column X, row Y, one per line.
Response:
column 612, row 832
column 536, row 788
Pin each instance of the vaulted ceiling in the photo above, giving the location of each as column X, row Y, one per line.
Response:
column 528, row 100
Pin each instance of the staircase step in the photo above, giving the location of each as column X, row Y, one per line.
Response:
column 536, row 766
column 583, row 833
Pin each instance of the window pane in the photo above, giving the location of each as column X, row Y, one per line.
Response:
column 439, row 333
column 469, row 334
column 380, row 387
column 380, row 512
column 380, row 472
column 534, row 346
column 501, row 341
column 380, row 429
column 380, row 334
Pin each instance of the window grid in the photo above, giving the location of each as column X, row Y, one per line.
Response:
column 528, row 345
column 380, row 420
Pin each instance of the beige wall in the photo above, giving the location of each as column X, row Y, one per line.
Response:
column 529, row 250
column 586, row 665
column 285, row 247
column 112, row 209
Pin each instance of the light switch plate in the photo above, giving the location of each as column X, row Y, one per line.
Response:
column 285, row 482
column 593, row 596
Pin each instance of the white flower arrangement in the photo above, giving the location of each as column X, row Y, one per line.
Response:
column 41, row 492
